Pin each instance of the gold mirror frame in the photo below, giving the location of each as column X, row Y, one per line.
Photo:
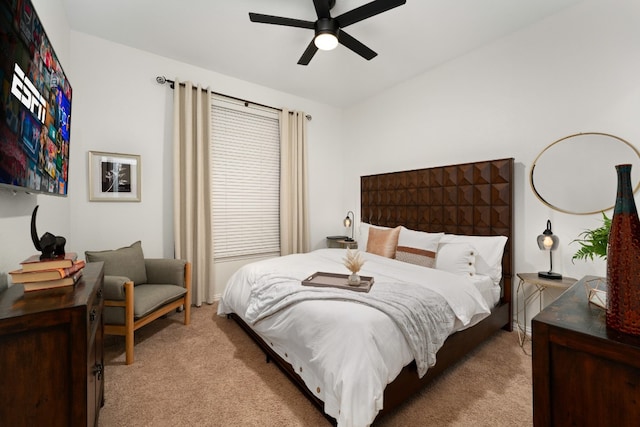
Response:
column 568, row 211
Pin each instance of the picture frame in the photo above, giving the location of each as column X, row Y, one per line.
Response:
column 114, row 177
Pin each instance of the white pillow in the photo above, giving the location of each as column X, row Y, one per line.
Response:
column 456, row 258
column 489, row 250
column 418, row 247
column 364, row 234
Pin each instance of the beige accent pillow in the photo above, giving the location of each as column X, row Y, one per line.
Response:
column 364, row 233
column 418, row 247
column 416, row 256
column 383, row 242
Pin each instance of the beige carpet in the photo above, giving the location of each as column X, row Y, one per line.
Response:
column 211, row 373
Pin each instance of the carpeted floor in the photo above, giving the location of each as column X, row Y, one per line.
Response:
column 211, row 373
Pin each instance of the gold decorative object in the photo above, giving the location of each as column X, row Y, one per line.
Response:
column 597, row 291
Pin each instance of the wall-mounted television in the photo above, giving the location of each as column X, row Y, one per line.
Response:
column 35, row 109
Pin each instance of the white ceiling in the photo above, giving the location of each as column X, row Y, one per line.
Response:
column 217, row 35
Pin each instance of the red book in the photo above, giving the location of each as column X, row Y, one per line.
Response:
column 34, row 263
column 21, row 276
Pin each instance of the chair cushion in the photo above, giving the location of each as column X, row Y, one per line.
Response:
column 147, row 298
column 127, row 261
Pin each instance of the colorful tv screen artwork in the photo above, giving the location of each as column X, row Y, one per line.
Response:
column 36, row 97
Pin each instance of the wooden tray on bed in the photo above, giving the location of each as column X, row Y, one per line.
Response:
column 334, row 280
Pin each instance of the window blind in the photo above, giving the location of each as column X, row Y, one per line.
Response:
column 245, row 173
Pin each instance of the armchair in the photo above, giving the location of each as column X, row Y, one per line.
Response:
column 139, row 290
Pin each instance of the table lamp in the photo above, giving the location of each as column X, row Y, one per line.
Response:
column 547, row 241
column 348, row 222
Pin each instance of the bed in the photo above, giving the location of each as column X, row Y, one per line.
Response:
column 358, row 359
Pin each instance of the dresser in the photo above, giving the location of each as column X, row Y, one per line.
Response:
column 51, row 354
column 583, row 373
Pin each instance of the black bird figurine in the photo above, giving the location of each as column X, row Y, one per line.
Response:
column 51, row 246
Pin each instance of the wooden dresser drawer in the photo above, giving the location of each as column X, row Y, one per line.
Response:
column 94, row 313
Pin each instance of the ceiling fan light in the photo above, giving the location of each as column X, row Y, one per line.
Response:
column 326, row 41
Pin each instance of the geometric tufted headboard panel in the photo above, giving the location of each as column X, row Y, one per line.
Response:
column 470, row 198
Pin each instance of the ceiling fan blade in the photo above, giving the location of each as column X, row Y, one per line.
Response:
column 322, row 8
column 308, row 54
column 278, row 20
column 353, row 44
column 367, row 11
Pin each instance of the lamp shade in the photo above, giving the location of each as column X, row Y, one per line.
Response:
column 547, row 241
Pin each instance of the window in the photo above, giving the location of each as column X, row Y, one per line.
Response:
column 245, row 173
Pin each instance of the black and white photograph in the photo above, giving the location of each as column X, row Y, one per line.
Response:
column 114, row 177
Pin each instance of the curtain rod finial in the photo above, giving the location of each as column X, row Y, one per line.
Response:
column 161, row 80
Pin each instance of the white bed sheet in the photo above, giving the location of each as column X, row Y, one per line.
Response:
column 310, row 335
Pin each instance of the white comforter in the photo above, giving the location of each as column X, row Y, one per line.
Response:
column 347, row 349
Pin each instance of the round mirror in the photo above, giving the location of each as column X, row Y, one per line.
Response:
column 576, row 174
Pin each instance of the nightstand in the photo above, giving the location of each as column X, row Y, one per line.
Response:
column 348, row 244
column 523, row 299
column 341, row 242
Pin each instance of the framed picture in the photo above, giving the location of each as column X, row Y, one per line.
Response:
column 114, row 177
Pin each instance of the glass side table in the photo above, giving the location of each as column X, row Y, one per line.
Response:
column 539, row 284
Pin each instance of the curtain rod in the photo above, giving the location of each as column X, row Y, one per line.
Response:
column 162, row 80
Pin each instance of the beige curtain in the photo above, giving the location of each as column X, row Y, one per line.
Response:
column 294, row 210
column 192, row 188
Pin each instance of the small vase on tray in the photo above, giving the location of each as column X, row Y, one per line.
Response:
column 354, row 279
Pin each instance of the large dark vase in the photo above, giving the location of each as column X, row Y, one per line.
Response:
column 623, row 260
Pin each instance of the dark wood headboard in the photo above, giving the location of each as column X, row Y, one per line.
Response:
column 470, row 198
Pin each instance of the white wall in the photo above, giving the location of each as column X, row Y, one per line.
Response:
column 576, row 71
column 119, row 107
column 15, row 209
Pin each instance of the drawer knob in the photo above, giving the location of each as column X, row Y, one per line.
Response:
column 97, row 370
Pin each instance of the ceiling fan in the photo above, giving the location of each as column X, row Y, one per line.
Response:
column 328, row 30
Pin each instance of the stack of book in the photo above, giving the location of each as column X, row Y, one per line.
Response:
column 37, row 274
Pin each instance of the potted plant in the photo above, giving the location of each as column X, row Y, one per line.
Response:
column 593, row 243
